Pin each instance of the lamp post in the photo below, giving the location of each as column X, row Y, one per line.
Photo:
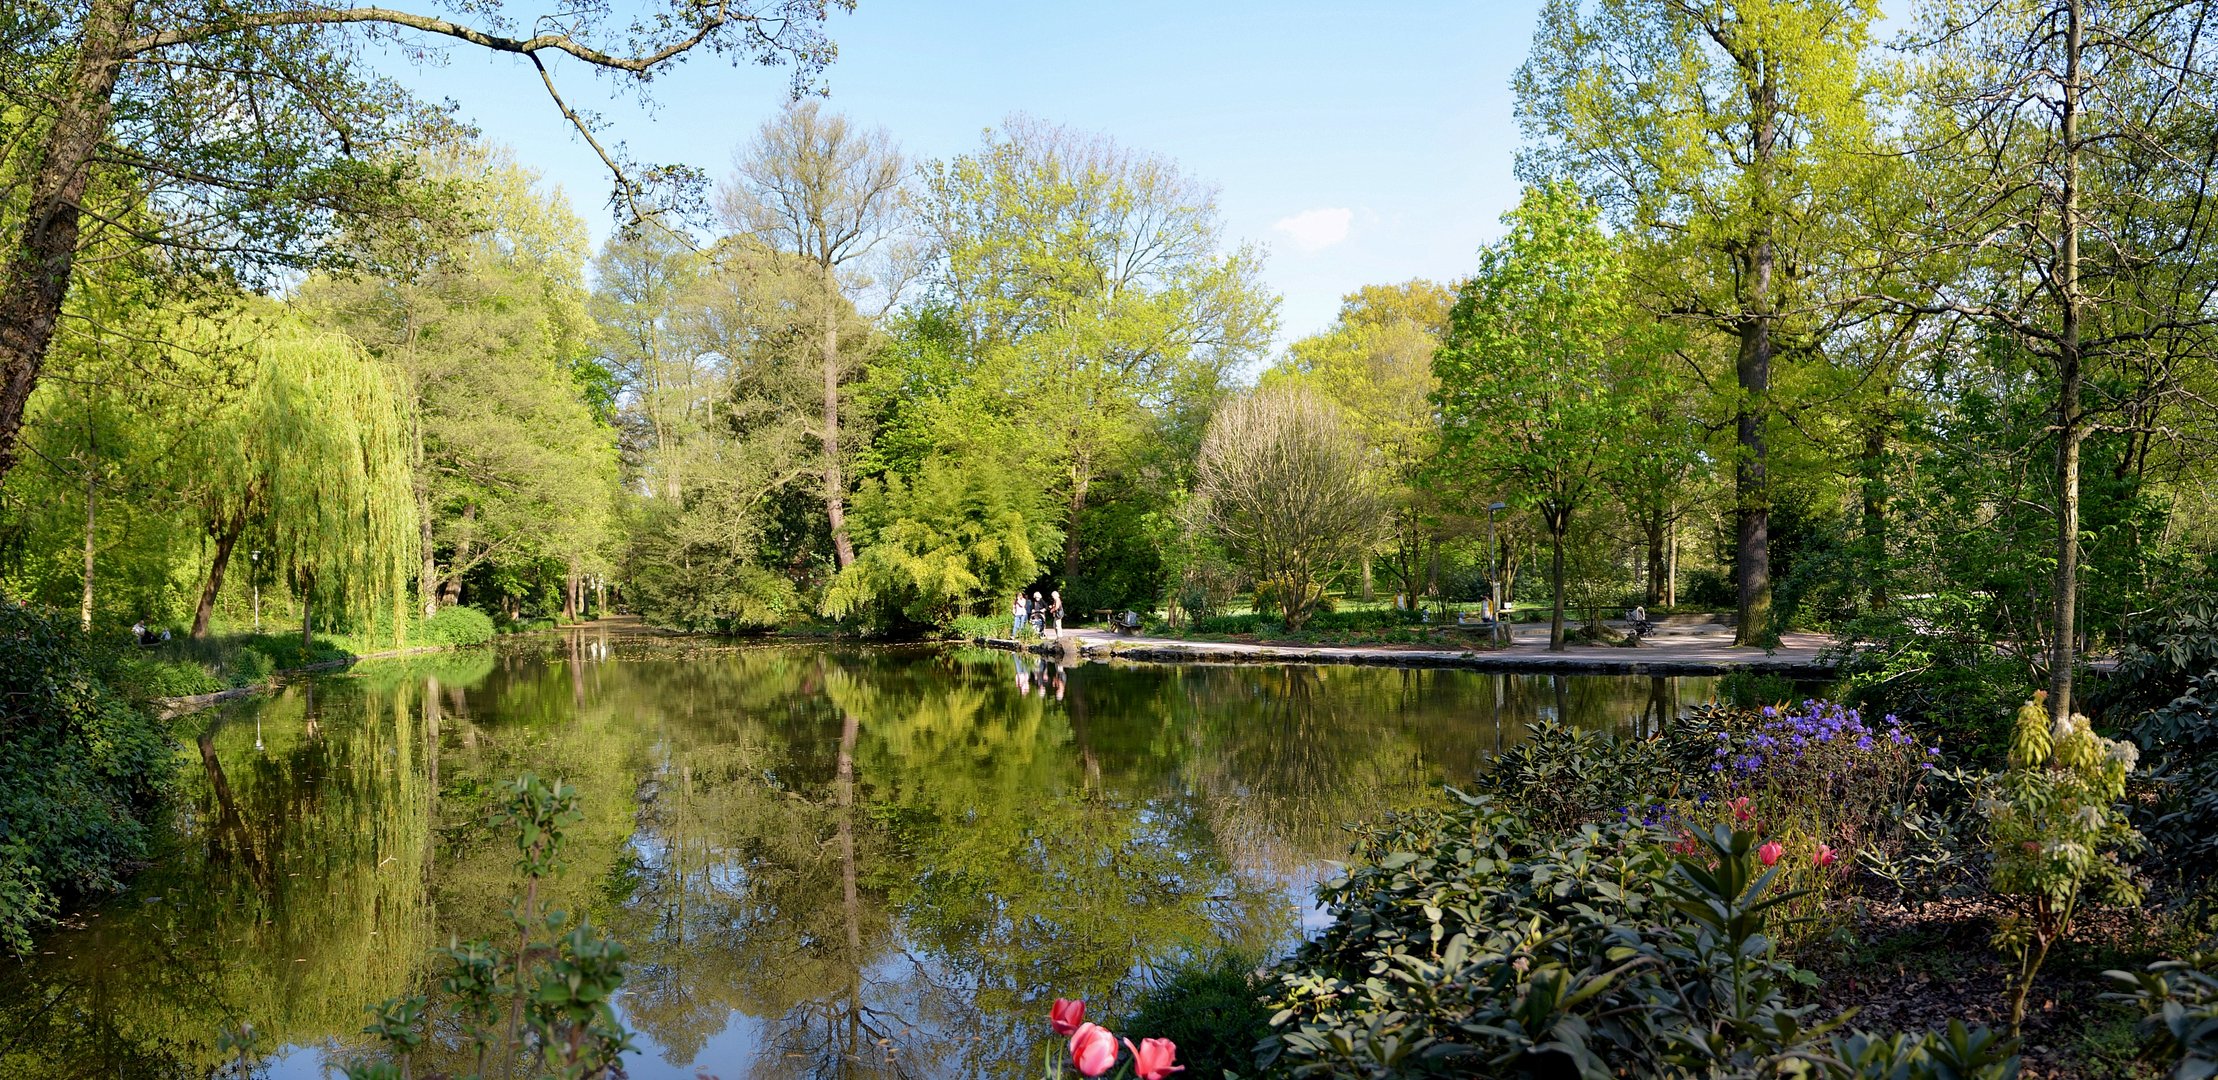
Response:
column 256, row 572
column 1493, row 565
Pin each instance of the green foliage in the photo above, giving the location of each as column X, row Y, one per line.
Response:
column 1561, row 777
column 2057, row 832
column 1542, row 366
column 954, row 536
column 148, row 678
column 1469, row 942
column 83, row 771
column 1212, row 1007
column 978, row 627
column 1754, row 690
column 2179, row 1003
column 457, row 625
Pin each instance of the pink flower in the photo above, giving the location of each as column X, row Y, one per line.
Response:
column 1065, row 1017
column 1740, row 809
column 1770, row 852
column 1151, row 1060
column 1093, row 1050
column 1825, row 856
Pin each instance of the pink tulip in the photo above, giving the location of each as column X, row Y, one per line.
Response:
column 1826, row 856
column 1770, row 852
column 1740, row 809
column 1151, row 1060
column 1065, row 1017
column 1093, row 1050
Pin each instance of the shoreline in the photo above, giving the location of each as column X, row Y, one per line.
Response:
column 1795, row 659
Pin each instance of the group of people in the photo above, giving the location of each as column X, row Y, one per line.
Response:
column 1041, row 616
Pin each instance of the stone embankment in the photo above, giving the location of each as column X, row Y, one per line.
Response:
column 1693, row 650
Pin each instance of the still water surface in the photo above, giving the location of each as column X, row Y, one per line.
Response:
column 823, row 860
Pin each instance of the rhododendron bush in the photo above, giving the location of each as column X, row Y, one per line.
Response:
column 1468, row 942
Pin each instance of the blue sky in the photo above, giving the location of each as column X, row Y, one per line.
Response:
column 1360, row 142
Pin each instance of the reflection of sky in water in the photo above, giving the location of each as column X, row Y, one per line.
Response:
column 1017, row 830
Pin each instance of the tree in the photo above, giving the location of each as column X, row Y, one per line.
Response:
column 263, row 138
column 314, row 455
column 1376, row 363
column 2071, row 174
column 1289, row 487
column 1537, row 365
column 942, row 541
column 1087, row 282
column 827, row 193
column 487, row 343
column 1733, row 136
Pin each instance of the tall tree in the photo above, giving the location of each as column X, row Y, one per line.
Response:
column 1376, row 362
column 487, row 343
column 816, row 187
column 2072, row 168
column 262, row 134
column 1089, row 283
column 1540, row 363
column 1733, row 136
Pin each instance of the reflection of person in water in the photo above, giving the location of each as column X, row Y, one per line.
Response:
column 1024, row 675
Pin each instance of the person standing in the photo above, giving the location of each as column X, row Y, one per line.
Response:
column 1016, row 617
column 1055, row 611
column 1039, row 614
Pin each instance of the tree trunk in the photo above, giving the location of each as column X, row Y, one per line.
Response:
column 835, row 490
column 1079, row 484
column 1671, row 567
column 427, row 582
column 1658, row 520
column 570, row 594
column 1875, row 512
column 307, row 624
column 2063, row 649
column 35, row 281
column 1752, row 373
column 84, row 613
column 451, row 591
column 225, row 540
column 1559, row 523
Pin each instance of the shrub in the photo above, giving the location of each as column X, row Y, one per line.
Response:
column 248, row 667
column 1468, row 942
column 2057, row 831
column 2179, row 1003
column 978, row 627
column 1562, row 777
column 147, row 678
column 82, row 771
column 458, row 625
column 1212, row 1008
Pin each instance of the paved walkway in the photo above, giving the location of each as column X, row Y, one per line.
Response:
column 1700, row 650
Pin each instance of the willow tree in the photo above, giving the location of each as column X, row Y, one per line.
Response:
column 313, row 455
column 1733, row 136
column 490, row 346
column 268, row 136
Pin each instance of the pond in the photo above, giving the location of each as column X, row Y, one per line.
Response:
column 822, row 859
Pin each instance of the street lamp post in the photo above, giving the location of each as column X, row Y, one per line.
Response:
column 1493, row 566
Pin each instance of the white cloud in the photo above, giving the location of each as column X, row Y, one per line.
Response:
column 1318, row 229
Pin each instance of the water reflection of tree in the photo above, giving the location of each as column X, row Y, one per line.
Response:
column 296, row 894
